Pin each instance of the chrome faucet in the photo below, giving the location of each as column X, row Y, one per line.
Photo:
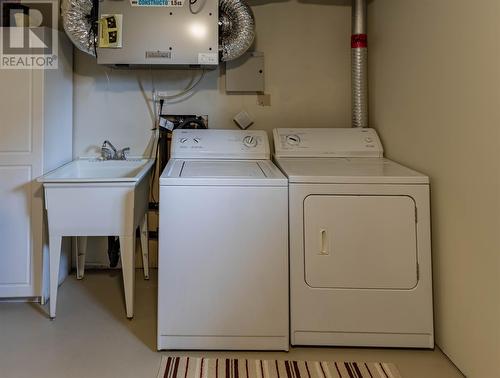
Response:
column 109, row 152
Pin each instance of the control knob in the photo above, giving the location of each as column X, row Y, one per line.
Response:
column 293, row 140
column 249, row 141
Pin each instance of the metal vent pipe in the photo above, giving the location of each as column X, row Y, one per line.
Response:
column 76, row 17
column 359, row 64
column 237, row 28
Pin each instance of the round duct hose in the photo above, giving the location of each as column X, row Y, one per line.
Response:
column 76, row 16
column 359, row 64
column 237, row 28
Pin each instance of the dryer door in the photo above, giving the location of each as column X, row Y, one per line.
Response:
column 360, row 242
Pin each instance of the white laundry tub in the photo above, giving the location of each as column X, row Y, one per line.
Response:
column 91, row 197
column 98, row 171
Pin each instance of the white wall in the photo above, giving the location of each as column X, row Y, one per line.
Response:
column 307, row 72
column 435, row 99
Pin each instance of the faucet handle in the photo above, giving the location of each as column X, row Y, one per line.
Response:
column 122, row 154
column 106, row 153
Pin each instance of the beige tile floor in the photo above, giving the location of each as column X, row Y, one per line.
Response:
column 92, row 338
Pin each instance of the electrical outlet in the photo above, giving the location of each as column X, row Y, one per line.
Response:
column 160, row 95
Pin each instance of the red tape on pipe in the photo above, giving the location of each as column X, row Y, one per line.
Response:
column 359, row 41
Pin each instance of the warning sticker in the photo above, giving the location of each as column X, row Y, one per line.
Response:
column 208, row 58
column 157, row 3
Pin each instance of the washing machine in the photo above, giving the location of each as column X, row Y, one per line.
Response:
column 223, row 244
column 360, row 247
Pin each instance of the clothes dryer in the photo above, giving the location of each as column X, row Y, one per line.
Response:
column 360, row 248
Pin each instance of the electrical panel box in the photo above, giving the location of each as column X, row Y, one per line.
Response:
column 178, row 33
column 246, row 74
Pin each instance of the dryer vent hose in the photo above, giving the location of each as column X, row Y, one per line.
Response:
column 359, row 64
column 236, row 28
column 78, row 18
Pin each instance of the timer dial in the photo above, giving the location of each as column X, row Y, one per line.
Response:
column 249, row 141
column 292, row 140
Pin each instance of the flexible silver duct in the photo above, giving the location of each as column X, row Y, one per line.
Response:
column 77, row 25
column 359, row 65
column 237, row 28
column 236, row 20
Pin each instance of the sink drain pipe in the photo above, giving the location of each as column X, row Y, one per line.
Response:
column 359, row 64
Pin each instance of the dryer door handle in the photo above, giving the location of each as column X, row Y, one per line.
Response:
column 323, row 242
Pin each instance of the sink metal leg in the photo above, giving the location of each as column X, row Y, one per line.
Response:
column 127, row 248
column 81, row 250
column 54, row 260
column 145, row 246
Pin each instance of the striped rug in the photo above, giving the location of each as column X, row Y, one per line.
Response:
column 191, row 367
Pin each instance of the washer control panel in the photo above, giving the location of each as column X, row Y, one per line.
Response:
column 333, row 142
column 220, row 144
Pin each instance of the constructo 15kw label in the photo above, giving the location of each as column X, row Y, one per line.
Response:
column 157, row 3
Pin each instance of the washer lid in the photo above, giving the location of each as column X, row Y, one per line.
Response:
column 348, row 171
column 222, row 172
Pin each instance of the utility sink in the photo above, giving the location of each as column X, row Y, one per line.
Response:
column 92, row 197
column 96, row 170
